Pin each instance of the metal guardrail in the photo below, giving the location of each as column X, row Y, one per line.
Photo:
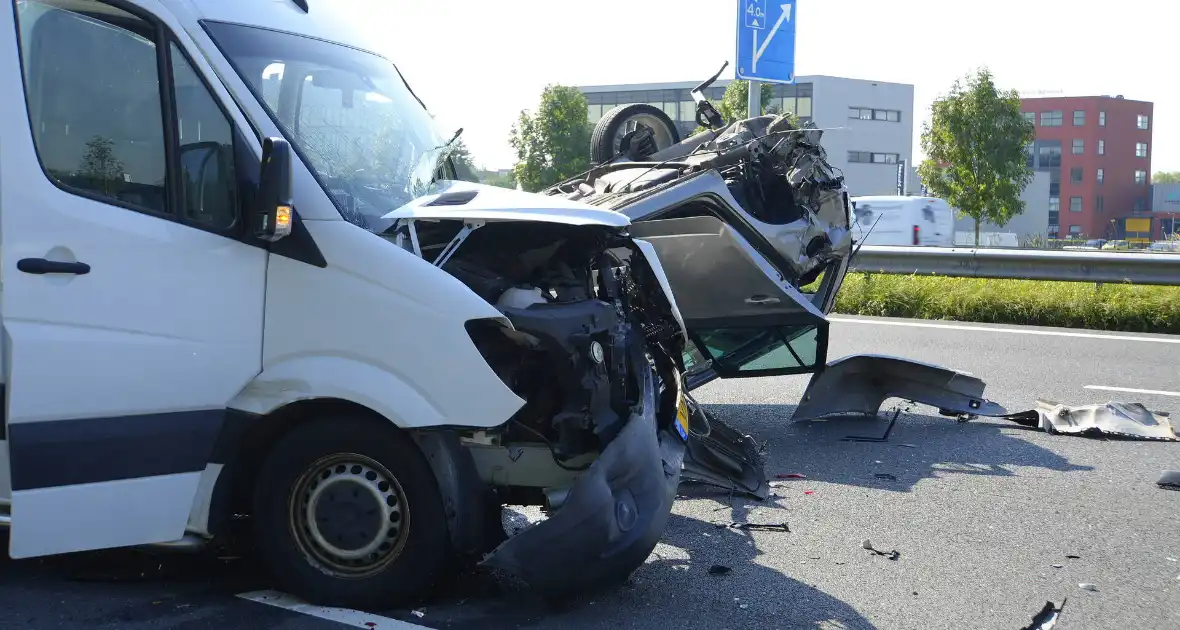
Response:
column 1021, row 264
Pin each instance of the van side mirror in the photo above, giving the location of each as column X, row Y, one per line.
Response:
column 273, row 211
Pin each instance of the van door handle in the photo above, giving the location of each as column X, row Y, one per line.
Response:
column 40, row 266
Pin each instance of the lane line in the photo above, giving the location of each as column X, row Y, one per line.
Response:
column 1128, row 390
column 346, row 616
column 1014, row 331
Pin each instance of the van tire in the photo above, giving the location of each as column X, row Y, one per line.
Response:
column 337, row 467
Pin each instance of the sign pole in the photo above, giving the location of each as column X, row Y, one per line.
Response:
column 754, row 101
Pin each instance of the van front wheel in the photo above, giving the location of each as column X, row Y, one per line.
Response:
column 347, row 513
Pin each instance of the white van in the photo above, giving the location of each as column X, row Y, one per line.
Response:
column 239, row 279
column 896, row 220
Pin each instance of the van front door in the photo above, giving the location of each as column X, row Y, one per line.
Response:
column 132, row 308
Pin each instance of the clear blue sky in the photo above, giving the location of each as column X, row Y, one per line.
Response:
column 477, row 63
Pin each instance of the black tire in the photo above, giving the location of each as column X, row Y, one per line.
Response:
column 421, row 550
column 602, row 141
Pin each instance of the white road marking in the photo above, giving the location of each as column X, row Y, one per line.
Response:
column 1013, row 331
column 346, row 616
column 1128, row 390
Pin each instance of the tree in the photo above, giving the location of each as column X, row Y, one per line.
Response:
column 464, row 165
column 1166, row 177
column 553, row 144
column 976, row 148
column 100, row 164
column 735, row 103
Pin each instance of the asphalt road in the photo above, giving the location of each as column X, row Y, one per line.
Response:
column 980, row 512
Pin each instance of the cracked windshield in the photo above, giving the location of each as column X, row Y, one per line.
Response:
column 349, row 113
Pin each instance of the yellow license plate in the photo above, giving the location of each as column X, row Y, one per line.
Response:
column 682, row 419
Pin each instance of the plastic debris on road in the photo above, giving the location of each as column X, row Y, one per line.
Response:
column 1170, row 480
column 1115, row 419
column 1087, row 586
column 1047, row 617
column 892, row 555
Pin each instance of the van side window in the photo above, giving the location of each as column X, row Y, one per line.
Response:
column 206, row 146
column 94, row 100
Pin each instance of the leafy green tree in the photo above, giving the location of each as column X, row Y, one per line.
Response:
column 464, row 165
column 100, row 165
column 1166, row 177
column 553, row 144
column 494, row 178
column 976, row 147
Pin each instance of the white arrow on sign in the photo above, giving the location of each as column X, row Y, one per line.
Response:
column 785, row 16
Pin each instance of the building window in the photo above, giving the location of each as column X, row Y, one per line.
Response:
column 1075, row 204
column 1141, row 149
column 1079, row 118
column 1054, row 204
column 1054, row 188
column 1049, row 156
column 868, row 113
column 1101, row 119
column 1051, row 119
column 1054, row 230
column 1141, row 121
column 1075, row 230
column 1101, row 174
column 866, row 157
column 1075, row 175
column 1031, row 117
column 1140, row 177
column 1079, row 146
column 1101, row 147
column 1140, row 204
column 1098, row 204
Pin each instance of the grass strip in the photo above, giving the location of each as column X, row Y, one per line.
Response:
column 1121, row 307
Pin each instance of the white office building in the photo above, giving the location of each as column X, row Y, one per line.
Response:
column 869, row 125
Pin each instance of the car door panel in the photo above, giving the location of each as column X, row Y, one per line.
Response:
column 744, row 320
column 117, row 378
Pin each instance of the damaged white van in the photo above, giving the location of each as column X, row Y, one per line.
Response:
column 236, row 281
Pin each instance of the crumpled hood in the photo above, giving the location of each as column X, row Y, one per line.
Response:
column 458, row 200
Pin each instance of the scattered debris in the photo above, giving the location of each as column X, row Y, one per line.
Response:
column 743, row 605
column 418, row 612
column 1171, row 560
column 892, row 555
column 886, row 476
column 884, row 437
column 1057, row 566
column 1047, row 617
column 1087, row 586
column 908, row 445
column 719, row 569
column 1118, row 419
column 790, row 476
column 813, row 557
column 760, row 527
column 1072, row 557
column 809, row 492
column 1170, row 480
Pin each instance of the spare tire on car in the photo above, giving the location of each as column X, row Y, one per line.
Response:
column 608, row 133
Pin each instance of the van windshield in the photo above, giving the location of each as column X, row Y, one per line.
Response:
column 348, row 113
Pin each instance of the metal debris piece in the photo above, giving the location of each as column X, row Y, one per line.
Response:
column 892, row 555
column 1057, row 566
column 884, row 437
column 419, row 612
column 719, row 569
column 1072, row 557
column 1087, row 586
column 886, row 476
column 1047, row 617
column 1170, row 480
column 760, row 527
column 1115, row 419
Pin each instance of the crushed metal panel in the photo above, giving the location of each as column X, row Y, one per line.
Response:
column 859, row 384
column 721, row 456
column 1116, row 419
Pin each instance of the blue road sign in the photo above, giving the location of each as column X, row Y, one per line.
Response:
column 766, row 41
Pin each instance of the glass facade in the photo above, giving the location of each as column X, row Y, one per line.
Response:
column 679, row 106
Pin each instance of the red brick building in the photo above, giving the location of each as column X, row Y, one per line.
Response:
column 1097, row 151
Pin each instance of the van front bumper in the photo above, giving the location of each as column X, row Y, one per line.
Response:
column 613, row 517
